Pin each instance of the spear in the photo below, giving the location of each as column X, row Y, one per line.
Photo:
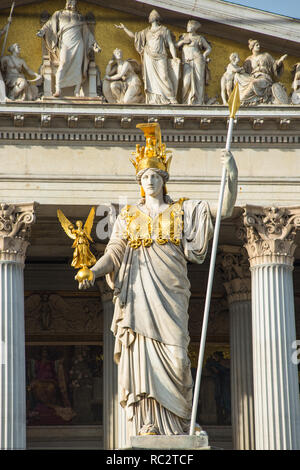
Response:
column 234, row 104
column 6, row 32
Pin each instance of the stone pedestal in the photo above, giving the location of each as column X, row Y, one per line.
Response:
column 15, row 223
column 269, row 235
column 110, row 372
column 234, row 268
column 179, row 442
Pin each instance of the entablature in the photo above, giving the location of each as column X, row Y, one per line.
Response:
column 115, row 124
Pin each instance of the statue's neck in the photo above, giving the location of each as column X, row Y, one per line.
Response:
column 155, row 203
column 155, row 25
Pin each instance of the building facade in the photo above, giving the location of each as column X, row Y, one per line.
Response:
column 59, row 383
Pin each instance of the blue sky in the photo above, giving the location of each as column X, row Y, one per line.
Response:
column 282, row 7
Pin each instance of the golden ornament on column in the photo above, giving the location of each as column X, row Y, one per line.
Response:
column 83, row 258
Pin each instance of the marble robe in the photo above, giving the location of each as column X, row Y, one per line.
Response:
column 255, row 84
column 150, row 323
column 68, row 33
column 160, row 74
column 195, row 70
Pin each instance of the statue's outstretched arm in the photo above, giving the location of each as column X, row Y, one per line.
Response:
column 127, row 31
column 230, row 193
column 103, row 266
column 28, row 70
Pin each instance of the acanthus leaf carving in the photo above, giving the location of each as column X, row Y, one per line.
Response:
column 233, row 267
column 15, row 229
column 269, row 233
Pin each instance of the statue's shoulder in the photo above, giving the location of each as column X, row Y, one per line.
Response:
column 178, row 206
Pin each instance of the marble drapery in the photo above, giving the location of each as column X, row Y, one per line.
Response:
column 151, row 322
column 257, row 84
column 160, row 73
column 195, row 69
column 68, row 34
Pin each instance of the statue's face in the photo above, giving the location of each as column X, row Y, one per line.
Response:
column 118, row 54
column 189, row 27
column 152, row 183
column 153, row 17
column 192, row 26
column 235, row 59
column 17, row 48
column 256, row 47
column 71, row 4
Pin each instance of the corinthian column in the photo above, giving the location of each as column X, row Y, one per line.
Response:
column 110, row 371
column 15, row 224
column 269, row 236
column 233, row 266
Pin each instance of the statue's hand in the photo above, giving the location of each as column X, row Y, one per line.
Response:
column 96, row 47
column 86, row 284
column 227, row 159
column 40, row 34
column 120, row 26
column 282, row 58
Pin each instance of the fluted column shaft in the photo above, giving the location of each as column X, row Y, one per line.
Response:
column 110, row 372
column 15, row 222
column 242, row 408
column 275, row 376
column 269, row 236
column 12, row 382
column 233, row 265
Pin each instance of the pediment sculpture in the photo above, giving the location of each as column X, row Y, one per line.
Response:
column 71, row 44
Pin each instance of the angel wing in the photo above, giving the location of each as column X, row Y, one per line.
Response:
column 89, row 223
column 59, row 304
column 32, row 303
column 135, row 65
column 66, row 224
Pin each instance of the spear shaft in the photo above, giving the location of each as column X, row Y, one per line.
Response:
column 234, row 103
column 6, row 32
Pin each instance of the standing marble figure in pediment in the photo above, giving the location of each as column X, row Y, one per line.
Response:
column 69, row 37
column 145, row 262
column 160, row 73
column 195, row 51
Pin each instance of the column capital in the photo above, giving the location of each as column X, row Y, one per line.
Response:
column 15, row 228
column 233, row 266
column 269, row 234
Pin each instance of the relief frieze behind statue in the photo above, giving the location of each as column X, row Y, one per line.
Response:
column 52, row 313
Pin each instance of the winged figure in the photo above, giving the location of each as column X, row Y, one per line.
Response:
column 82, row 256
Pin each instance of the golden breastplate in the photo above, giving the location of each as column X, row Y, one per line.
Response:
column 141, row 229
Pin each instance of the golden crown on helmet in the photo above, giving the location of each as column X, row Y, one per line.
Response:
column 154, row 153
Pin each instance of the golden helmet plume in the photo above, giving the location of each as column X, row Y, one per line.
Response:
column 154, row 153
